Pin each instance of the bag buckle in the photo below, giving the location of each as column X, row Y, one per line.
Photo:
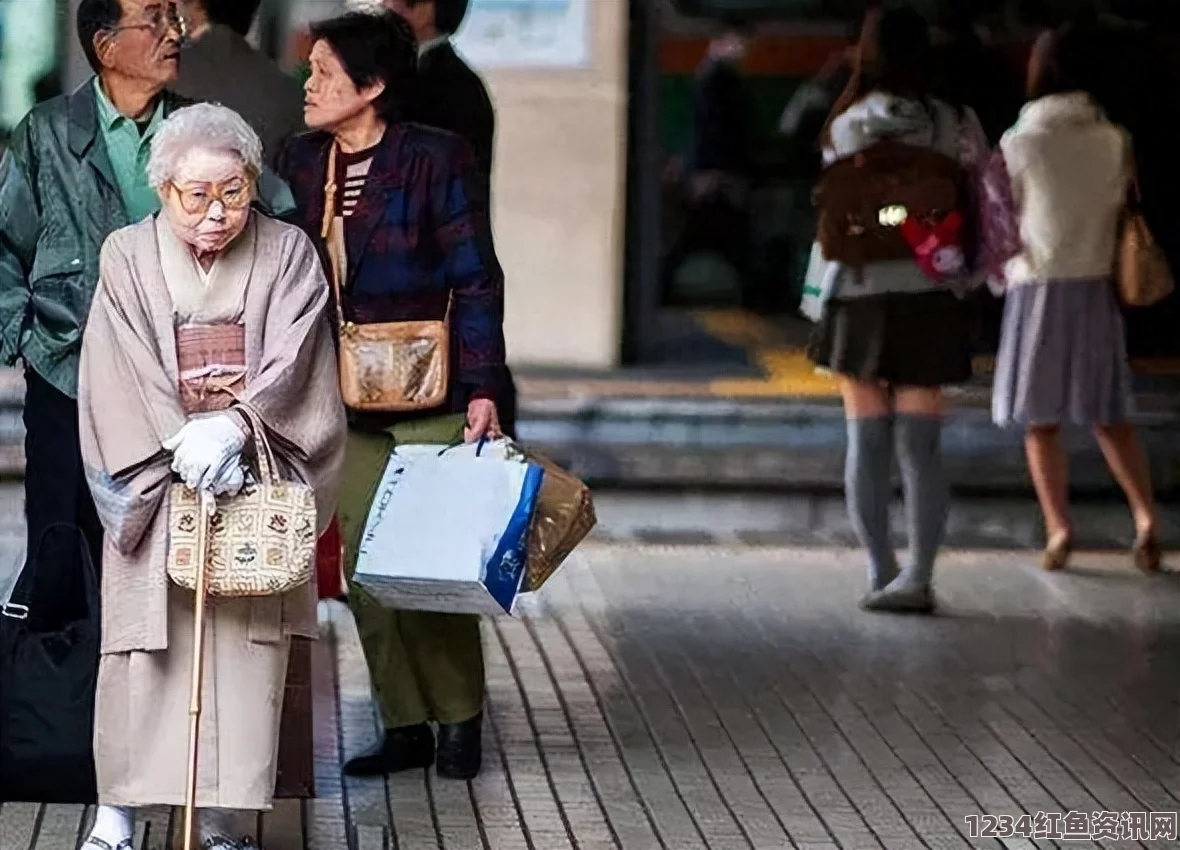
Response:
column 14, row 611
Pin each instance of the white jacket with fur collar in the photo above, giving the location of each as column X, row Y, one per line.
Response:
column 1069, row 168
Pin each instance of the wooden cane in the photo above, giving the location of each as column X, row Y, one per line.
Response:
column 208, row 507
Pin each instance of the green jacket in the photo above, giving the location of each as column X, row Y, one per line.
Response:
column 58, row 204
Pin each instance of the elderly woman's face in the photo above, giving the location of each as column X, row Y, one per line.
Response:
column 331, row 98
column 208, row 199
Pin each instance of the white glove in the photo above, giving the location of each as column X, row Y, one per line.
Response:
column 232, row 479
column 203, row 448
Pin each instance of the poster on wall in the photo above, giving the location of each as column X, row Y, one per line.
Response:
column 526, row 34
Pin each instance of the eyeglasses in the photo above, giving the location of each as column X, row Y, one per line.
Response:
column 196, row 199
column 159, row 20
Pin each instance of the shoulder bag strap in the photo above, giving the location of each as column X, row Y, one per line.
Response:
column 328, row 232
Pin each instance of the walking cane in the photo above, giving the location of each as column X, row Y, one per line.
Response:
column 208, row 508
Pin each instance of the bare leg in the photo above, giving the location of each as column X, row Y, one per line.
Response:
column 1129, row 466
column 1049, row 467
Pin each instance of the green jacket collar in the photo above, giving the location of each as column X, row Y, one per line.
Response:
column 84, row 140
column 84, row 131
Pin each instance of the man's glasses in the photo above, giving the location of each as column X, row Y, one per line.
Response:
column 159, row 20
column 196, row 199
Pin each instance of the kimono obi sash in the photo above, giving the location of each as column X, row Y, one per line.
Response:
column 212, row 360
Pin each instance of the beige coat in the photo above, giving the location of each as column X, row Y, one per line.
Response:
column 129, row 403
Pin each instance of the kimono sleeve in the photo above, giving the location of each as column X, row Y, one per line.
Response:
column 127, row 406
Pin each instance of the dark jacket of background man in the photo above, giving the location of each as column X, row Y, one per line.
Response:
column 221, row 66
column 451, row 96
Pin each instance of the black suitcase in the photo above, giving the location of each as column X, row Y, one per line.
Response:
column 49, row 648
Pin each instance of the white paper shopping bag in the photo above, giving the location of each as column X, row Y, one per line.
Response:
column 448, row 529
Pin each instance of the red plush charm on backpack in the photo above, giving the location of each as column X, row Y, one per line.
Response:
column 939, row 249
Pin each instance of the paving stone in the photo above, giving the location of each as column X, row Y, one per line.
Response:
column 727, row 697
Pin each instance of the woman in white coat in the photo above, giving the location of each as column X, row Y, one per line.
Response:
column 1058, row 186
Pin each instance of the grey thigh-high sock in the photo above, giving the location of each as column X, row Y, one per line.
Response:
column 867, row 468
column 927, row 495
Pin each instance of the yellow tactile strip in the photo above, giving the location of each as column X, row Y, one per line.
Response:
column 786, row 370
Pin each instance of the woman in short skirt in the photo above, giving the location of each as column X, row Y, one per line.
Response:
column 893, row 336
column 1061, row 179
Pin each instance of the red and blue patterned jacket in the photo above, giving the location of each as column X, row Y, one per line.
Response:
column 420, row 232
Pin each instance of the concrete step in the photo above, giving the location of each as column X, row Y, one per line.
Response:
column 612, row 437
column 795, row 445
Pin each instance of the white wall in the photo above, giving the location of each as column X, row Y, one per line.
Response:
column 558, row 194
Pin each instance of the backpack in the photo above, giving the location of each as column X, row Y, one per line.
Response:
column 865, row 198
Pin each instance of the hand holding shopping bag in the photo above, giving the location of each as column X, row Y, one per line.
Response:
column 448, row 529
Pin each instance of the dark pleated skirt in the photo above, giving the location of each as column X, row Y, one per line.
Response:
column 1063, row 356
column 907, row 340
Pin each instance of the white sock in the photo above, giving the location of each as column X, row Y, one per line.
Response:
column 113, row 824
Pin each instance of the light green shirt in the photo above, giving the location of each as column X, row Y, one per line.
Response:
column 128, row 152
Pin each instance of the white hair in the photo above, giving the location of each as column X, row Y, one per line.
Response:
column 205, row 126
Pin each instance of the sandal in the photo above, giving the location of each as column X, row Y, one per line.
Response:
column 1057, row 552
column 1146, row 552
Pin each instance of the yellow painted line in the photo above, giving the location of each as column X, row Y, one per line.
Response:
column 736, row 327
column 789, row 373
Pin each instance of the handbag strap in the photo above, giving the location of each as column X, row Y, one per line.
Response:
column 328, row 232
column 267, row 465
column 20, row 603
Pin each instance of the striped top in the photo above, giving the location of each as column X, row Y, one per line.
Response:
column 352, row 170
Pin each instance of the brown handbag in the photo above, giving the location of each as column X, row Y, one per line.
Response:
column 385, row 367
column 1141, row 270
column 863, row 198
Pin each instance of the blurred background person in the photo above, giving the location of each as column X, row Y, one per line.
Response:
column 1063, row 173
column 715, row 179
column 219, row 65
column 969, row 72
column 806, row 113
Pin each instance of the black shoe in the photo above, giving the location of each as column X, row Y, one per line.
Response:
column 404, row 748
column 460, row 749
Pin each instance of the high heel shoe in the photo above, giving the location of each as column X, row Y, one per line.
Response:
column 1146, row 552
column 1057, row 552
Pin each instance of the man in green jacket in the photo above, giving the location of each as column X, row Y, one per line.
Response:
column 75, row 171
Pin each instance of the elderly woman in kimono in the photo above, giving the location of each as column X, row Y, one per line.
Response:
column 202, row 308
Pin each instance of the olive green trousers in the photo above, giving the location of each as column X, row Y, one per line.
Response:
column 424, row 666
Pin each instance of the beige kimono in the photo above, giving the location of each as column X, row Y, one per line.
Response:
column 163, row 342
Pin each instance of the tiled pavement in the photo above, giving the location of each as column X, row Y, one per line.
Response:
column 733, row 698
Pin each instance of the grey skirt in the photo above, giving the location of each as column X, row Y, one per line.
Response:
column 1062, row 357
